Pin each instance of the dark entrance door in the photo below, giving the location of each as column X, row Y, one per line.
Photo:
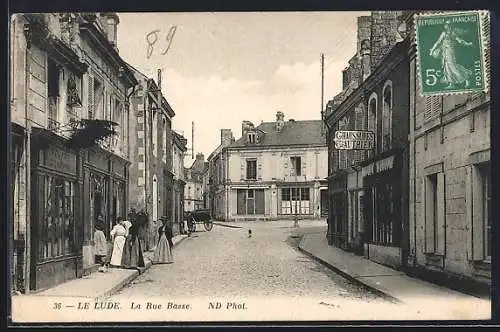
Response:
column 324, row 202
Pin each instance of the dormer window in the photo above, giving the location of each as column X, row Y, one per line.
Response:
column 252, row 138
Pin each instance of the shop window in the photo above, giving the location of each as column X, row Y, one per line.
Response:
column 57, row 223
column 385, row 224
column 251, row 169
column 295, row 201
column 296, row 166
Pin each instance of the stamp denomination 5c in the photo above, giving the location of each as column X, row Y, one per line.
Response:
column 450, row 52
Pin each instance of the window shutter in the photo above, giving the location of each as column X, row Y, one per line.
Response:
column 90, row 100
column 303, row 165
column 285, row 167
column 259, row 168
column 243, row 168
column 441, row 215
column 468, row 212
column 477, row 216
column 432, row 107
column 428, row 222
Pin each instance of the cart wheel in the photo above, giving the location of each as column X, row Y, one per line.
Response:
column 208, row 225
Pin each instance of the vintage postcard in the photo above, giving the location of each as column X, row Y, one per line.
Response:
column 249, row 166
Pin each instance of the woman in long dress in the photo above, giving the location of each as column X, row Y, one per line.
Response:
column 118, row 234
column 132, row 252
column 445, row 48
column 163, row 252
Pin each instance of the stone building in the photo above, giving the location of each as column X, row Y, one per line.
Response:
column 217, row 176
column 276, row 170
column 179, row 150
column 450, row 185
column 193, row 190
column 151, row 152
column 66, row 78
column 368, row 188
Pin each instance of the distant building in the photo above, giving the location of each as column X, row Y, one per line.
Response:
column 276, row 170
column 216, row 176
column 193, row 190
column 179, row 150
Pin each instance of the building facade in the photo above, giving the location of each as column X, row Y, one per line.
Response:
column 217, row 177
column 179, row 149
column 369, row 188
column 450, row 184
column 151, row 145
column 193, row 190
column 67, row 77
column 276, row 170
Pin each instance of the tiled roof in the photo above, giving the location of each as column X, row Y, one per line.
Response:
column 307, row 132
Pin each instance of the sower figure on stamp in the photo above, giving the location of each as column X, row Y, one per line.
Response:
column 163, row 252
column 445, row 48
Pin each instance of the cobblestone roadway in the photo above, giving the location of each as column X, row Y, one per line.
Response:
column 225, row 262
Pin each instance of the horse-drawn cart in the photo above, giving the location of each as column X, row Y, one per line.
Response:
column 197, row 217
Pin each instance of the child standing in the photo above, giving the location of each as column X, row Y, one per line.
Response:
column 100, row 246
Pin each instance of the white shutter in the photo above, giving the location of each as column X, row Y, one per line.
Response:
column 90, row 98
column 259, row 168
column 242, row 168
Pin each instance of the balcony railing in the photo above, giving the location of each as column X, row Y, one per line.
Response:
column 52, row 124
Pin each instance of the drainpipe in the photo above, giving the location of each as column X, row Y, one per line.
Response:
column 27, row 151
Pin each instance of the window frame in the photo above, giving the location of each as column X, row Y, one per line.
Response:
column 248, row 174
column 387, row 116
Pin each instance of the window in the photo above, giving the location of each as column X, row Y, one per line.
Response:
column 295, row 200
column 56, row 226
column 251, row 169
column 252, row 138
column 164, row 141
column 387, row 117
column 250, row 202
column 98, row 102
column 53, row 93
column 433, row 107
column 372, row 118
column 155, row 134
column 296, row 166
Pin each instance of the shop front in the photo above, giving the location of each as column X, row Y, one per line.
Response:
column 337, row 210
column 104, row 196
column 382, row 209
column 55, row 219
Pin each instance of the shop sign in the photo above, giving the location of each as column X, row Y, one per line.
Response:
column 354, row 140
column 58, row 159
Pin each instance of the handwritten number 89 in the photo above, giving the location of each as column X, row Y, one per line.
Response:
column 152, row 38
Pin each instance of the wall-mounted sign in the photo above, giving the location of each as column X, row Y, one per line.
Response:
column 354, row 140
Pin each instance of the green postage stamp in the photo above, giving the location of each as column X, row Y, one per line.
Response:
column 450, row 53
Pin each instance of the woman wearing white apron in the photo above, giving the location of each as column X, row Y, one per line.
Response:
column 118, row 234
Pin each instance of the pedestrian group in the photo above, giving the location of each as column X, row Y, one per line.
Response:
column 125, row 249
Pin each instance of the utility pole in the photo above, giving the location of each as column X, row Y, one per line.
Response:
column 322, row 92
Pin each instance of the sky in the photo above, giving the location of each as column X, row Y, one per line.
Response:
column 222, row 68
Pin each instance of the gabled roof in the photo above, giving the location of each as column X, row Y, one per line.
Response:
column 308, row 132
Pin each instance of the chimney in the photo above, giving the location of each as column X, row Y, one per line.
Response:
column 384, row 34
column 110, row 23
column 365, row 54
column 226, row 137
column 245, row 126
column 200, row 156
column 280, row 120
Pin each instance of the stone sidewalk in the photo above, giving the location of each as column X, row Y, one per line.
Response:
column 99, row 285
column 391, row 284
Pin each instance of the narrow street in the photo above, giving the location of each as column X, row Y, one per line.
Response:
column 226, row 262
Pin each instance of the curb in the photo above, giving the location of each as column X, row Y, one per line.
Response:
column 351, row 278
column 229, row 226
